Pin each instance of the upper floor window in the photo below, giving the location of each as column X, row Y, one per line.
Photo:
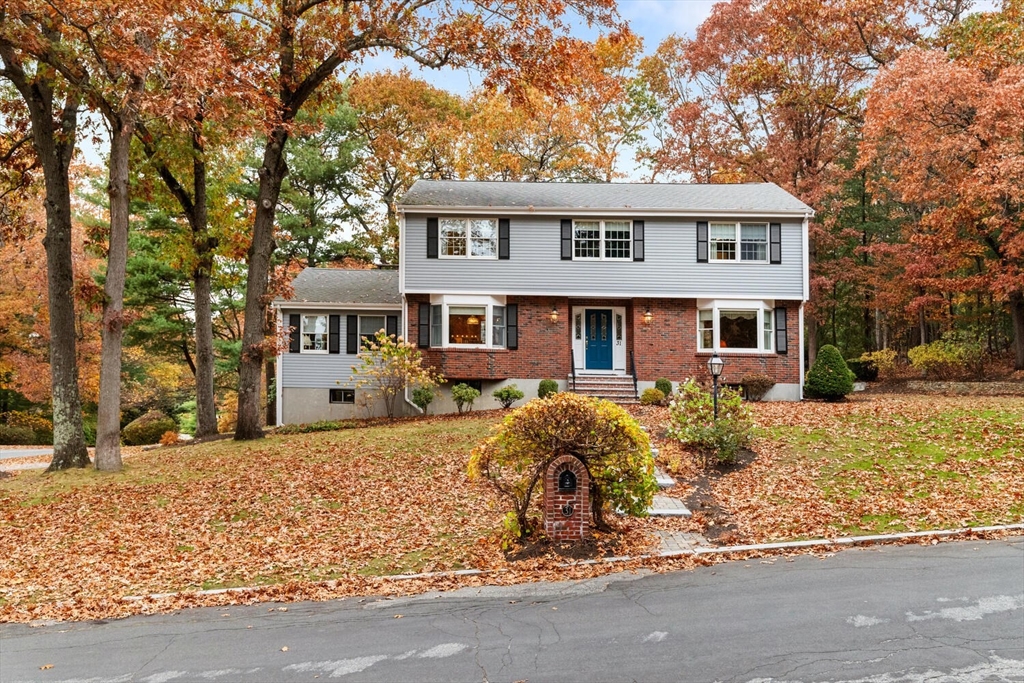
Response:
column 602, row 240
column 314, row 334
column 738, row 242
column 469, row 238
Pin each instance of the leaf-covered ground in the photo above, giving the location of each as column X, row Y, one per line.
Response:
column 877, row 464
column 333, row 514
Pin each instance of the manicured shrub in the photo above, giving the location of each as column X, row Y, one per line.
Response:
column 147, row 429
column 312, row 427
column 41, row 428
column 652, row 397
column 546, row 388
column 692, row 421
column 16, row 436
column 828, row 378
column 508, row 395
column 601, row 434
column 663, row 385
column 863, row 370
column 464, row 395
column 884, row 362
column 757, row 385
column 423, row 397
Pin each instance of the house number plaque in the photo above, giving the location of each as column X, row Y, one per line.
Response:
column 567, row 510
column 566, row 482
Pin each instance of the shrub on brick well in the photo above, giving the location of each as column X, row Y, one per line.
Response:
column 605, row 437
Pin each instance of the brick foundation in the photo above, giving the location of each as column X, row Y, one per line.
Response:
column 557, row 525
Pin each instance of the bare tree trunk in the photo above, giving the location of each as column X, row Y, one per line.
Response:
column 54, row 128
column 272, row 173
column 204, row 244
column 1017, row 319
column 108, row 429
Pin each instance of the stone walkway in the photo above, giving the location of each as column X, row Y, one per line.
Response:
column 664, row 505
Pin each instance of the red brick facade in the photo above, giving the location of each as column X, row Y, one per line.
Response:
column 665, row 347
column 559, row 526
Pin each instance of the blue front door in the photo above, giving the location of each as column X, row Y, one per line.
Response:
column 599, row 338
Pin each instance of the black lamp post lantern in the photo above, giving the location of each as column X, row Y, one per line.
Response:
column 715, row 367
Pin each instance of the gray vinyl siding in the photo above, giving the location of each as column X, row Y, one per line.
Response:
column 670, row 268
column 324, row 370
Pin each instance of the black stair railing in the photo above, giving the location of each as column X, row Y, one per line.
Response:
column 572, row 361
column 632, row 369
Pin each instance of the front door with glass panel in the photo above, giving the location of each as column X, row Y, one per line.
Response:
column 599, row 338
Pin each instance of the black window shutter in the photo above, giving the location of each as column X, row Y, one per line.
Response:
column 567, row 239
column 423, row 337
column 781, row 345
column 391, row 325
column 295, row 337
column 431, row 238
column 775, row 242
column 638, row 240
column 334, row 334
column 352, row 334
column 512, row 326
column 702, row 241
column 503, row 228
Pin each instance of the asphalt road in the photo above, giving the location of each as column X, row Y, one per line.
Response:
column 950, row 612
column 23, row 452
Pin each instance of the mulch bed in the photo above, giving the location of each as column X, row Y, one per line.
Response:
column 720, row 527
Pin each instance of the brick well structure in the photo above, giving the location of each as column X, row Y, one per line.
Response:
column 559, row 526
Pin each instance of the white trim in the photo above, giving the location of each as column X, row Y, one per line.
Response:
column 763, row 307
column 445, row 301
column 623, row 212
column 302, row 334
column 591, row 294
column 601, row 228
column 298, row 306
column 469, row 239
column 805, row 238
column 401, row 261
column 278, row 408
column 800, row 347
column 738, row 241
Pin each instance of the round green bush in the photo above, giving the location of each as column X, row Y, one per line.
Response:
column 506, row 396
column 652, row 397
column 663, row 385
column 423, row 397
column 16, row 436
column 147, row 429
column 829, row 378
column 546, row 388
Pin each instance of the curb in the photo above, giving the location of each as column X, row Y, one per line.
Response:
column 706, row 550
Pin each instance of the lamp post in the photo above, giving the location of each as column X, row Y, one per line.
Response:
column 715, row 367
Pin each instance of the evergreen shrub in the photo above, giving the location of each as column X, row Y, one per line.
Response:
column 147, row 429
column 546, row 388
column 828, row 378
column 508, row 395
column 663, row 385
column 652, row 397
column 464, row 395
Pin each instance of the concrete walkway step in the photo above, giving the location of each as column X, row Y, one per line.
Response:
column 667, row 506
column 664, row 480
column 673, row 542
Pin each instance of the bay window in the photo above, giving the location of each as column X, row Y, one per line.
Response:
column 743, row 326
column 471, row 321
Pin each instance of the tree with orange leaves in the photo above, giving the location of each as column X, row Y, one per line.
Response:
column 296, row 46
column 946, row 126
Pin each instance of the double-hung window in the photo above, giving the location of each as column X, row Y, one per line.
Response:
column 314, row 334
column 735, row 326
column 369, row 326
column 602, row 240
column 468, row 238
column 738, row 242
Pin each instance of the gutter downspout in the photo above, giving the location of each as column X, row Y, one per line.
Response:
column 801, row 349
column 405, row 304
column 278, row 407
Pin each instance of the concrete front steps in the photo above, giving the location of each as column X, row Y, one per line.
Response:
column 617, row 388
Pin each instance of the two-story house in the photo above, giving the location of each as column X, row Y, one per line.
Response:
column 601, row 287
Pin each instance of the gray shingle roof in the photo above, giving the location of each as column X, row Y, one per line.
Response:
column 341, row 286
column 752, row 197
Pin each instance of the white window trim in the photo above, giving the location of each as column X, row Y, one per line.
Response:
column 739, row 243
column 302, row 333
column 469, row 247
column 601, row 243
column 488, row 302
column 763, row 308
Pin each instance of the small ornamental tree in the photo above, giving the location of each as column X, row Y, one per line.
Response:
column 829, row 378
column 609, row 442
column 464, row 395
column 506, row 396
column 388, row 365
